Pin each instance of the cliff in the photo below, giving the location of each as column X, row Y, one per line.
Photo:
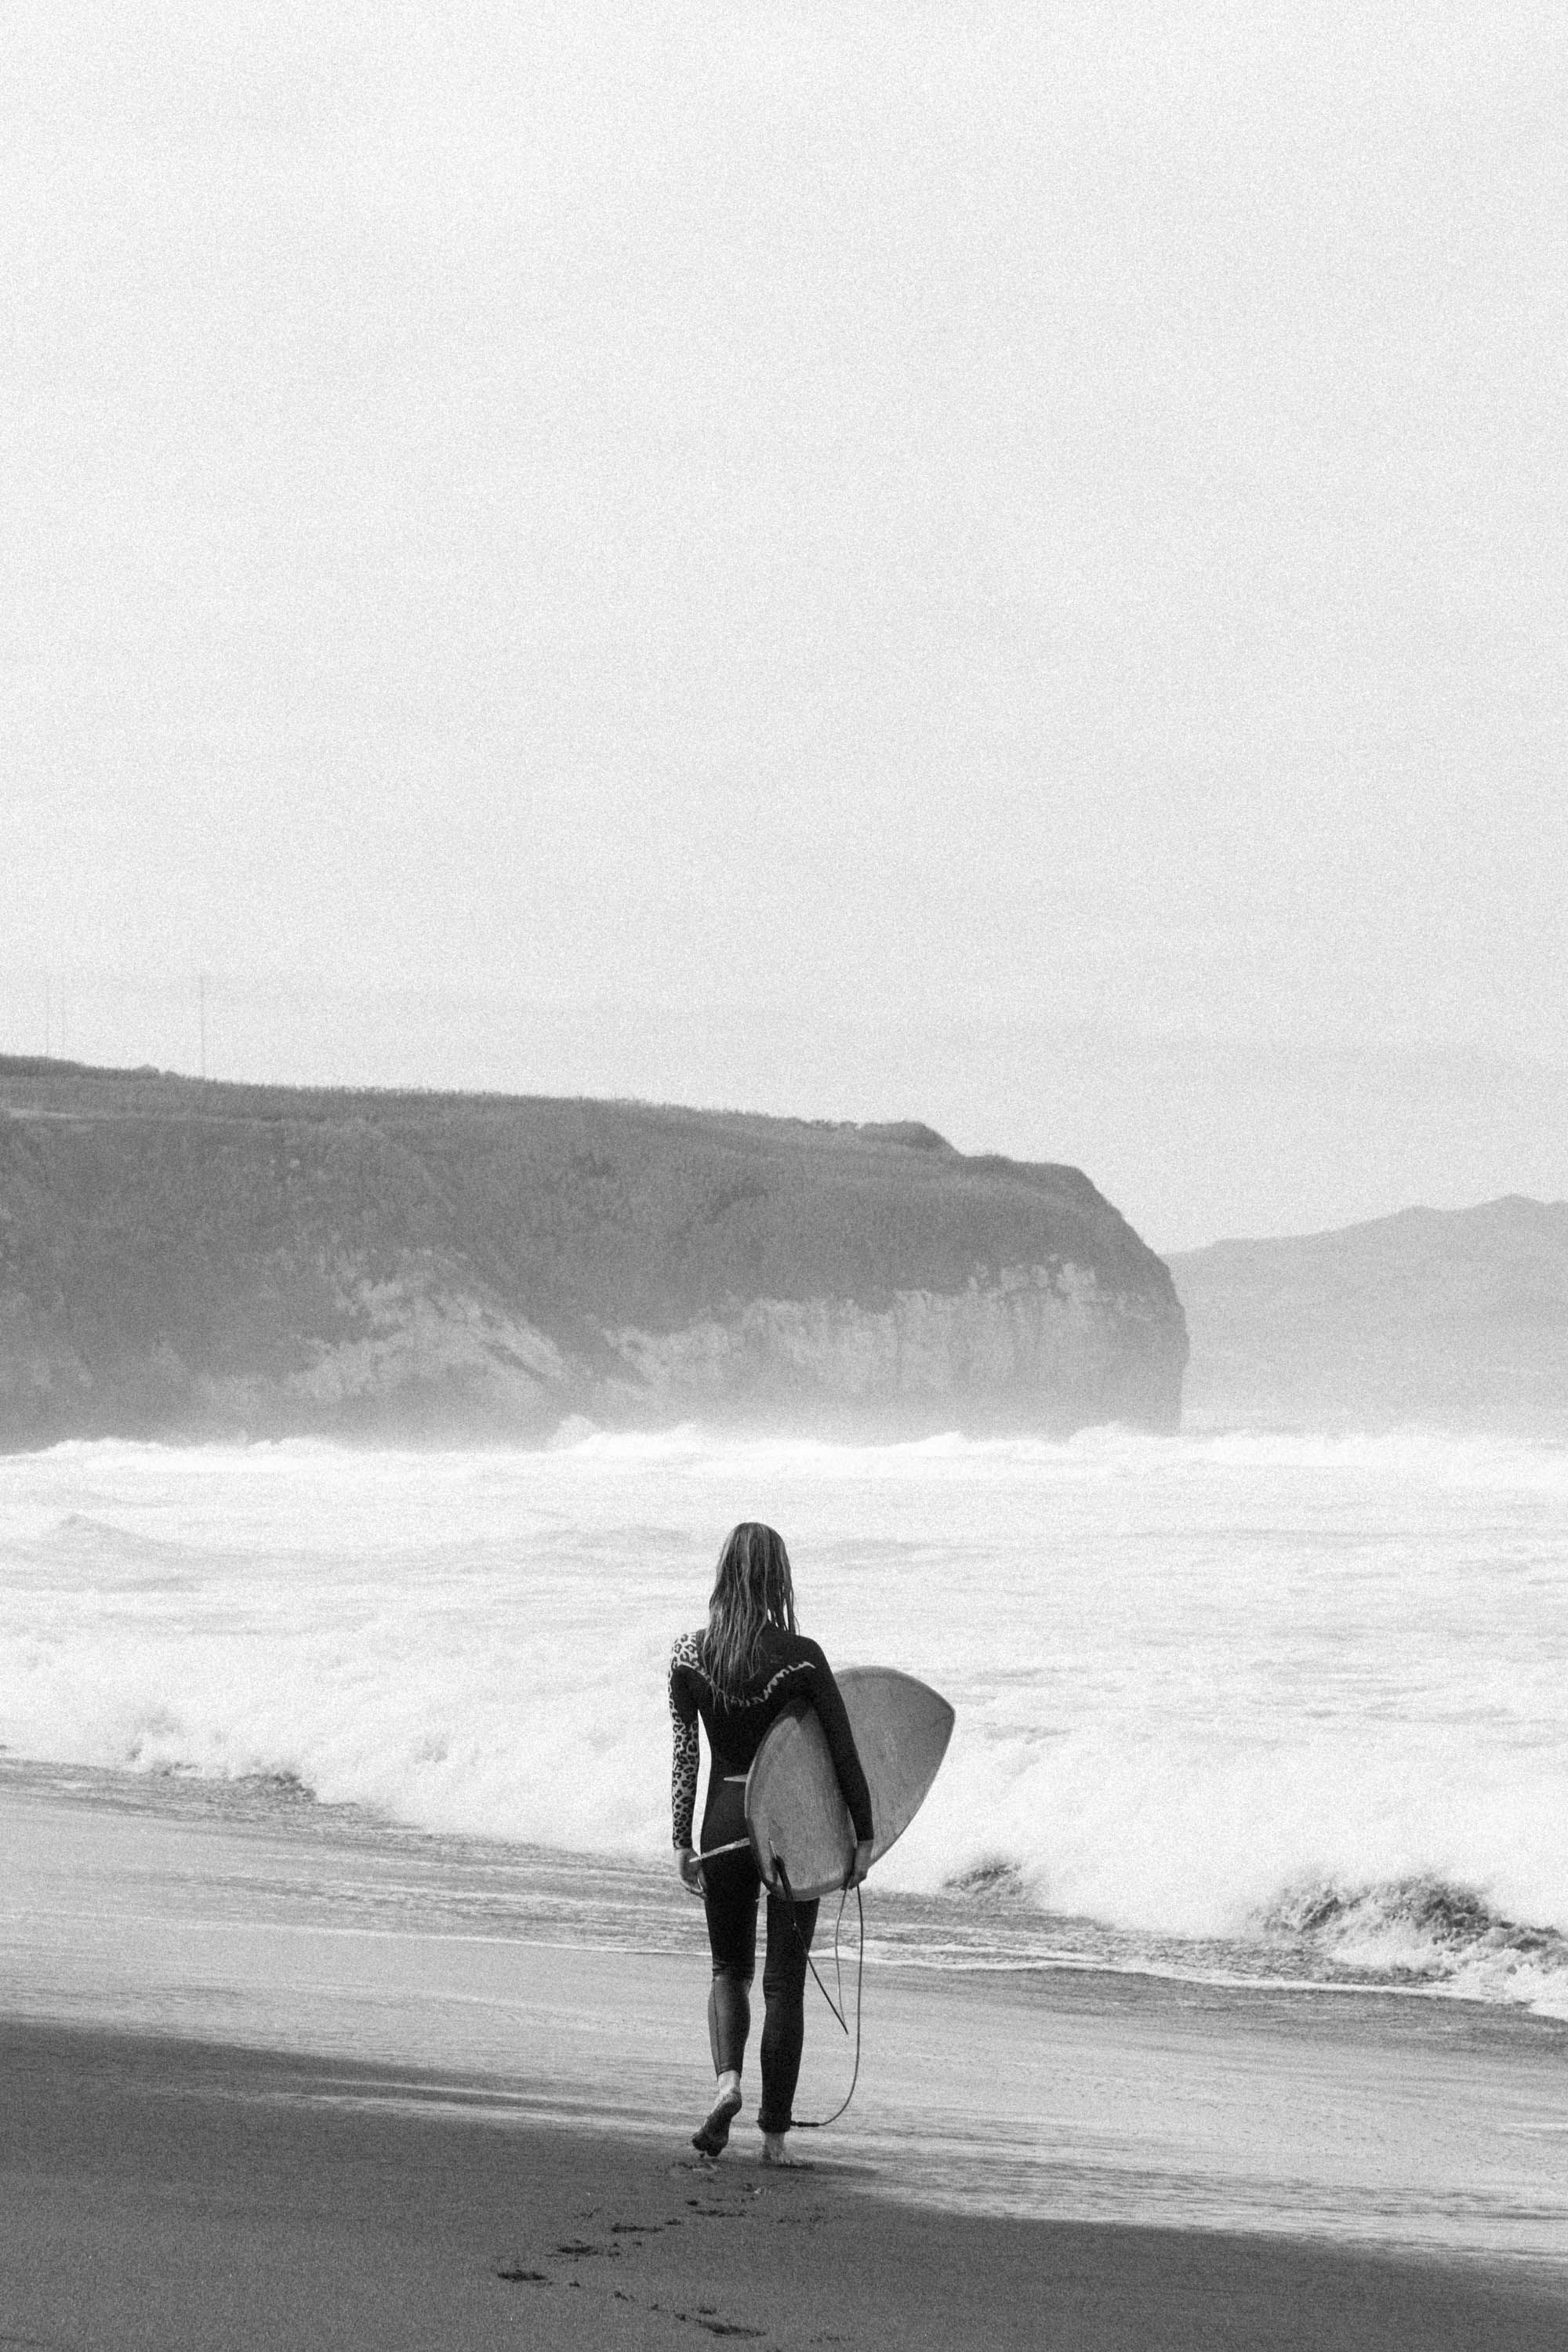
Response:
column 1450, row 1319
column 185, row 1258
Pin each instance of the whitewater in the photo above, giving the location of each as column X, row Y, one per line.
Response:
column 1227, row 1705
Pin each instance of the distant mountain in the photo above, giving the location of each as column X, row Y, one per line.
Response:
column 1456, row 1319
column 184, row 1259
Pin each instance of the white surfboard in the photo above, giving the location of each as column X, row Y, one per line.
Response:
column 794, row 1813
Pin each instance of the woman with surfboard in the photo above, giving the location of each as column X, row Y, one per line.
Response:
column 737, row 1676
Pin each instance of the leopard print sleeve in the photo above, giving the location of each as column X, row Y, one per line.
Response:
column 683, row 1663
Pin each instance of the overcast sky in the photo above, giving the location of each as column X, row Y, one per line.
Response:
column 992, row 563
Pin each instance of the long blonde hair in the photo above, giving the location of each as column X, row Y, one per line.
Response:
column 751, row 1590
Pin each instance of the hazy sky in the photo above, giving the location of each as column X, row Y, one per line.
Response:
column 994, row 563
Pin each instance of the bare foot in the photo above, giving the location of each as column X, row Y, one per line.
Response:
column 776, row 2150
column 710, row 2137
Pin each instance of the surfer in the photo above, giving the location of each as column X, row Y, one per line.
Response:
column 737, row 1675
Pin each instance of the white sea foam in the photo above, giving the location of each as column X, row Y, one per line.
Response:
column 1193, row 1676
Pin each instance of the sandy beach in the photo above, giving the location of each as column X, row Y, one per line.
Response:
column 167, row 2194
column 276, row 2079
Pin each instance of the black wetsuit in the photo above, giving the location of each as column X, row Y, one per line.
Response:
column 791, row 1668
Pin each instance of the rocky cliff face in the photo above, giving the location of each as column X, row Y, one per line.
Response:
column 1012, row 1348
column 177, row 1258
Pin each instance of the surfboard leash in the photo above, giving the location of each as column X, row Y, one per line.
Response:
column 820, row 2123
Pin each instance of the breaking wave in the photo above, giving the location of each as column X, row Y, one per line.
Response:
column 1424, row 1932
column 1189, row 1673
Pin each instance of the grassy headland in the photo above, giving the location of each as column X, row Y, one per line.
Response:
column 181, row 1258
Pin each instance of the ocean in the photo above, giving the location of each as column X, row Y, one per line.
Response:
column 1231, row 1709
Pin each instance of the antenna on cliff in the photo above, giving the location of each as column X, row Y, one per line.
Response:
column 49, row 1014
column 202, row 1001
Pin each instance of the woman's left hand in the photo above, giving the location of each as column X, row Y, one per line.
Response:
column 690, row 1869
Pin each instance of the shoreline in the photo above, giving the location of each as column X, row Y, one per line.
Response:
column 170, row 2193
column 924, row 1932
column 1069, row 2096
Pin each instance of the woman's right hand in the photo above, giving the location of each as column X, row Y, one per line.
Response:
column 690, row 1869
column 861, row 1864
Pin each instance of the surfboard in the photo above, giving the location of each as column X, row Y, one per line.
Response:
column 794, row 1813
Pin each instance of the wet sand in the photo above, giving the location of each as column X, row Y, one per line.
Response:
column 577, row 1994
column 286, row 2082
column 165, row 2194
